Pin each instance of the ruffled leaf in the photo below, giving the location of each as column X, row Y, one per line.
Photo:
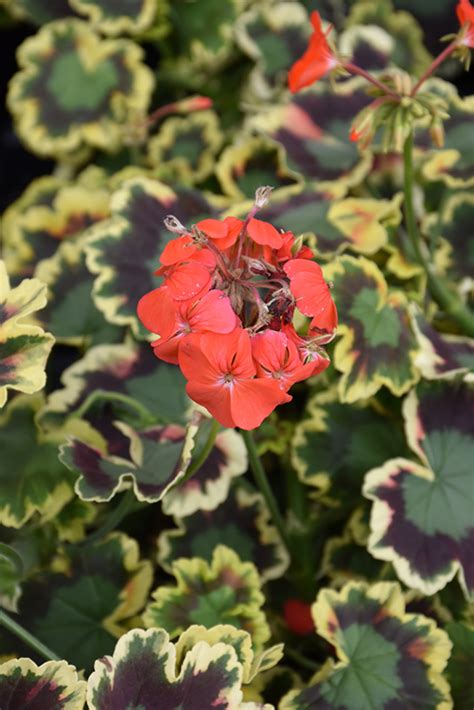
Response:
column 459, row 670
column 75, row 89
column 143, row 668
column 241, row 522
column 385, row 657
column 115, row 18
column 158, row 459
column 377, row 346
column 24, row 349
column 422, row 513
column 227, row 591
column 210, row 484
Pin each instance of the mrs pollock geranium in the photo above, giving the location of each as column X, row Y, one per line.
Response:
column 224, row 313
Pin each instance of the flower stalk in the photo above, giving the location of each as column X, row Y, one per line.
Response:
column 20, row 632
column 437, row 286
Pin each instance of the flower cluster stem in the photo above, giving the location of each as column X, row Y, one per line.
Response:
column 434, row 65
column 125, row 506
column 27, row 637
column 264, row 486
column 438, row 288
column 354, row 69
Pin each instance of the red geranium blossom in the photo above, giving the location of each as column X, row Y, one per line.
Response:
column 465, row 13
column 222, row 377
column 316, row 61
column 224, row 313
column 298, row 617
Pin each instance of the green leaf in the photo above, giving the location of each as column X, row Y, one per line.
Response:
column 79, row 611
column 385, row 657
column 241, row 522
column 225, row 592
column 422, row 513
column 209, row 485
column 32, row 479
column 157, row 459
column 75, row 89
column 459, row 670
column 376, row 346
column 184, row 150
column 54, row 685
column 335, row 446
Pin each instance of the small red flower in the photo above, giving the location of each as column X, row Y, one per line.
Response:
column 298, row 617
column 465, row 13
column 315, row 62
column 278, row 357
column 187, row 279
column 221, row 376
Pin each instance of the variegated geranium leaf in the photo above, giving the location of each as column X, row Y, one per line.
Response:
column 185, row 148
column 54, row 685
column 24, row 348
column 157, row 459
column 209, row 485
column 406, row 35
column 115, row 17
column 385, row 657
column 50, row 211
column 344, row 559
column 79, row 611
column 241, row 522
column 253, row 161
column 442, row 356
column 455, row 224
column 226, row 591
column 124, row 250
column 459, row 670
column 314, row 128
column 274, row 36
column 127, row 378
column 369, row 46
column 335, row 446
column 70, row 312
column 241, row 641
column 422, row 513
column 143, row 672
column 377, row 346
column 32, row 479
column 72, row 520
column 75, row 89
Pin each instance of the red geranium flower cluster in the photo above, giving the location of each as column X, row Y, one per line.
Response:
column 224, row 314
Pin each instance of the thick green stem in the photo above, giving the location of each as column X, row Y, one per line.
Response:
column 29, row 639
column 262, row 482
column 437, row 286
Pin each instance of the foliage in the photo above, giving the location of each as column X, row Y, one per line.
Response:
column 140, row 551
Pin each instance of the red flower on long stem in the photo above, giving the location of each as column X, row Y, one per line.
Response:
column 316, row 61
column 225, row 309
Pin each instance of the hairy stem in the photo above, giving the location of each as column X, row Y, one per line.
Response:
column 26, row 637
column 437, row 286
column 354, row 69
column 264, row 486
column 434, row 65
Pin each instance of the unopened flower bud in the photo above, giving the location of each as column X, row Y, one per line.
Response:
column 173, row 224
column 262, row 196
column 437, row 133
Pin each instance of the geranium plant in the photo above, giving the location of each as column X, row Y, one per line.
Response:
column 237, row 356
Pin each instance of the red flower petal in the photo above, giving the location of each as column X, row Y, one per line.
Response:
column 157, row 312
column 264, row 233
column 315, row 62
column 180, row 249
column 213, row 312
column 252, row 400
column 307, row 284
